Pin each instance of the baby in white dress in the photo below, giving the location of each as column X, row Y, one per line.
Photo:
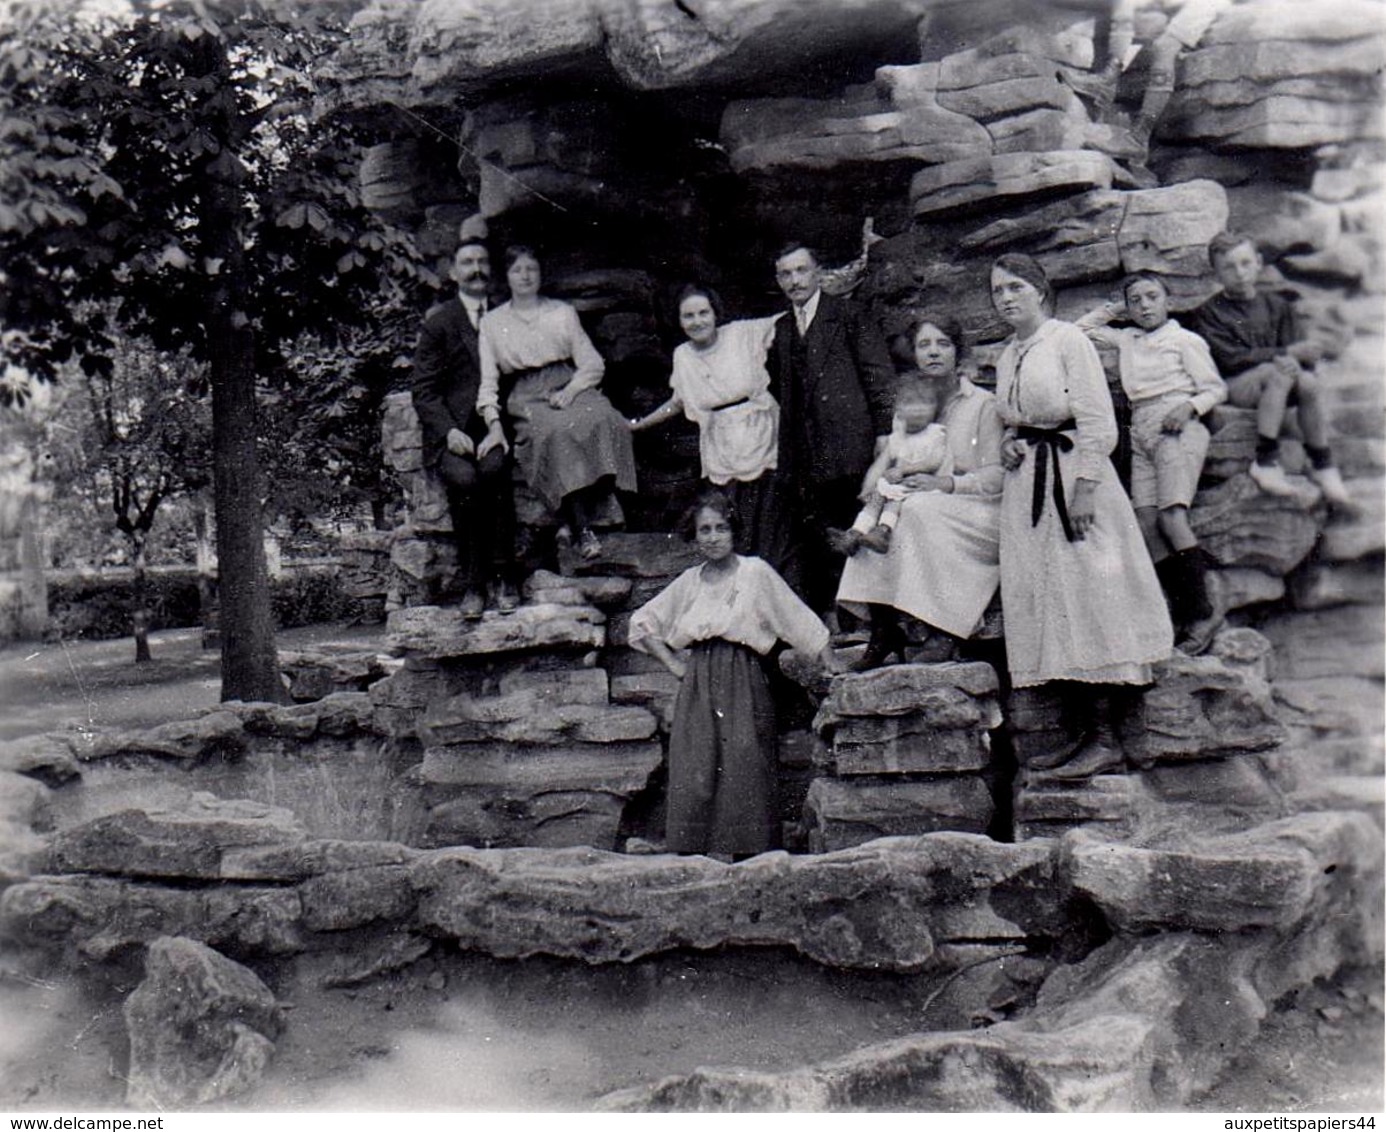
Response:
column 917, row 444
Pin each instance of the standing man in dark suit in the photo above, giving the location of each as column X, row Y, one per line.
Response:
column 471, row 456
column 831, row 373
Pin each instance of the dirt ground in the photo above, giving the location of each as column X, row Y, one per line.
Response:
column 460, row 1032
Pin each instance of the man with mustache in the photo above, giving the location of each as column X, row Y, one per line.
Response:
column 831, row 372
column 472, row 458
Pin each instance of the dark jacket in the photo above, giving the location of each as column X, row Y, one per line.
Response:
column 836, row 392
column 447, row 375
column 1243, row 333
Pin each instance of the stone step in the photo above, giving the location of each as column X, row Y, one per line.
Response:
column 438, row 632
column 840, row 813
column 464, row 720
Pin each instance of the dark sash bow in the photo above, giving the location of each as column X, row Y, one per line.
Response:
column 1050, row 442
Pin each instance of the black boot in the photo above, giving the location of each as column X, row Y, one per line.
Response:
column 1202, row 618
column 887, row 639
column 1098, row 750
column 1171, row 575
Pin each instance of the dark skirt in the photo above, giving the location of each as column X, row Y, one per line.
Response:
column 761, row 505
column 722, row 755
column 562, row 450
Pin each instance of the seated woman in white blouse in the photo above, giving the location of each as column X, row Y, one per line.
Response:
column 571, row 444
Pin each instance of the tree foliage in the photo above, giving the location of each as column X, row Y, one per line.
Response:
column 131, row 438
column 163, row 161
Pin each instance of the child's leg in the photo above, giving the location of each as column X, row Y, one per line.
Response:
column 1149, row 519
column 1145, row 438
column 1314, row 427
column 870, row 514
column 1179, row 463
column 890, row 513
column 1179, row 458
column 1175, row 529
column 1270, row 413
column 1308, row 395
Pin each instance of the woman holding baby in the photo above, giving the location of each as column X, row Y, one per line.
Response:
column 940, row 564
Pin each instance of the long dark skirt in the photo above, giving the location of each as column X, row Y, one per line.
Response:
column 722, row 757
column 563, row 450
column 763, row 507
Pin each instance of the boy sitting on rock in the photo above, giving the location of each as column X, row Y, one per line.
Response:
column 1169, row 377
column 1268, row 365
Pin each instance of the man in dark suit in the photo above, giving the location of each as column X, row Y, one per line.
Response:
column 471, row 457
column 830, row 370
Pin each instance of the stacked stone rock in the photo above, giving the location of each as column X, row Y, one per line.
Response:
column 538, row 727
column 1239, row 919
column 365, row 574
column 1198, row 744
column 908, row 750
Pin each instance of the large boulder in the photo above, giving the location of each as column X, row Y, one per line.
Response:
column 466, row 45
column 1240, row 525
column 786, row 134
column 1106, row 232
column 1279, row 76
column 94, row 918
column 24, row 806
column 202, row 1028
column 725, row 43
column 218, row 734
column 315, row 673
column 1271, row 876
column 1006, row 178
column 1344, row 642
column 186, row 843
column 888, row 906
column 1210, row 706
column 48, row 758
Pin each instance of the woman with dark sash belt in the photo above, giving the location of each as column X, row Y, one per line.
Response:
column 571, row 444
column 711, row 627
column 1080, row 598
column 720, row 383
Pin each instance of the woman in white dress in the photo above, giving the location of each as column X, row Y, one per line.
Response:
column 571, row 444
column 1080, row 597
column 719, row 381
column 941, row 567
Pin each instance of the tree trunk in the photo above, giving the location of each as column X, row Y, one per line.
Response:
column 249, row 663
column 139, row 616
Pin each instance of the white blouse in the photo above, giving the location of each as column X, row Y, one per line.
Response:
column 752, row 606
column 1053, row 376
column 510, row 341
column 735, row 441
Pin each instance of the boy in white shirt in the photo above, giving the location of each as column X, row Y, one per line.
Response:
column 1169, row 376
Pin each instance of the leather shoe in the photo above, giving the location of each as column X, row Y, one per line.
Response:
column 877, row 539
column 472, row 605
column 844, row 543
column 1092, row 758
column 504, row 597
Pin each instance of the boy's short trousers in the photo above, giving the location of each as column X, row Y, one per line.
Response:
column 1165, row 466
column 1244, row 390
